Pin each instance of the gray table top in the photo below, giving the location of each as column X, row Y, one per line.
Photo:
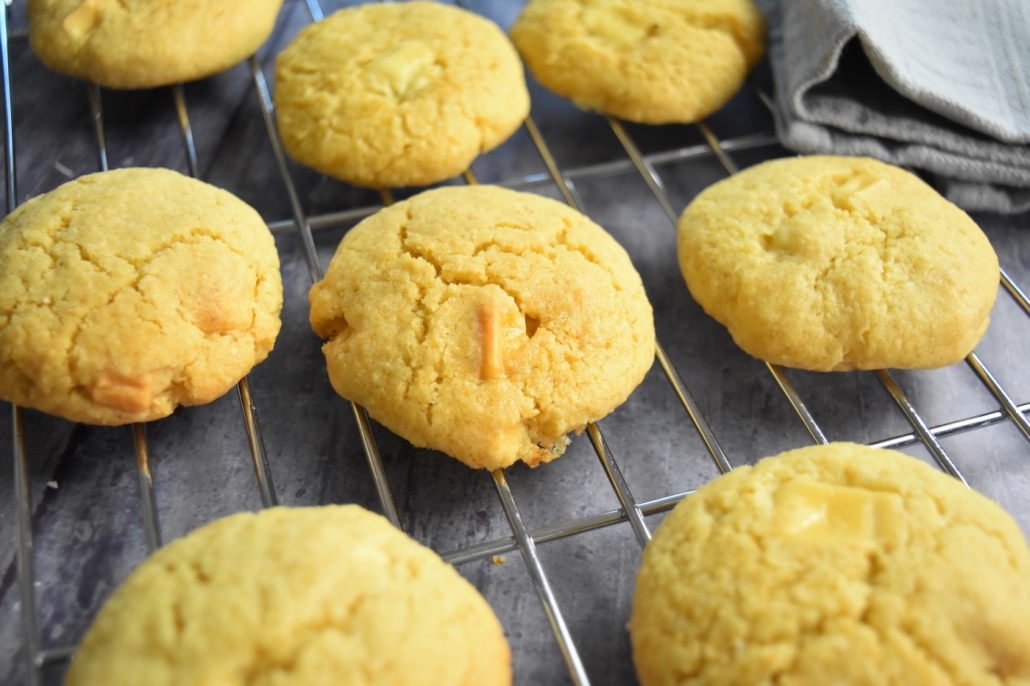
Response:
column 87, row 523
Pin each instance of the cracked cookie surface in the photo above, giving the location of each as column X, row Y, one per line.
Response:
column 292, row 597
column 648, row 61
column 835, row 564
column 147, row 43
column 402, row 94
column 126, row 293
column 484, row 323
column 838, row 263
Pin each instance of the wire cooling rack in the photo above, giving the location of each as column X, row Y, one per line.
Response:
column 522, row 538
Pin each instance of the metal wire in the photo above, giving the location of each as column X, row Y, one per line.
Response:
column 795, row 401
column 626, row 499
column 679, row 386
column 703, row 428
column 1015, row 291
column 604, row 519
column 26, row 555
column 151, row 521
column 654, row 182
column 22, row 493
column 608, row 518
column 960, row 426
column 249, row 409
column 543, row 587
column 552, row 166
column 314, row 10
column 713, row 142
column 596, row 170
column 924, row 433
column 50, row 655
column 299, row 219
column 11, row 182
column 646, row 170
column 179, row 95
column 601, row 520
column 1008, row 405
column 499, row 546
column 98, row 124
column 555, row 532
column 523, row 539
column 257, row 445
column 368, row 441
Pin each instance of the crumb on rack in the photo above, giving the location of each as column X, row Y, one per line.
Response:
column 499, row 559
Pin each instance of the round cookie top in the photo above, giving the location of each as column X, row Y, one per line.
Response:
column 126, row 293
column 483, row 322
column 649, row 61
column 291, row 597
column 401, row 94
column 839, row 263
column 834, row 564
column 147, row 43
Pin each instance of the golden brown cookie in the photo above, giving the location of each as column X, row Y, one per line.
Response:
column 147, row 43
column 649, row 61
column 835, row 564
column 839, row 263
column 402, row 94
column 126, row 293
column 294, row 597
column 483, row 322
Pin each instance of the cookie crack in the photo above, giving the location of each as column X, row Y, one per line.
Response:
column 188, row 238
column 588, row 255
column 261, row 663
column 133, row 285
column 304, row 634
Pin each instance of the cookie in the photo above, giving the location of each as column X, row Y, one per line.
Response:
column 649, row 61
column 839, row 263
column 483, row 322
column 321, row 595
column 143, row 43
column 402, row 94
column 835, row 564
column 126, row 293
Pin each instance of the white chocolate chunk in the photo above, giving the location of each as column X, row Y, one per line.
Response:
column 402, row 70
column 814, row 511
column 82, row 20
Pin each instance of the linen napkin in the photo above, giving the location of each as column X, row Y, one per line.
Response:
column 938, row 86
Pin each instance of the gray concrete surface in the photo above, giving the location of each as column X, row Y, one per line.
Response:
column 88, row 529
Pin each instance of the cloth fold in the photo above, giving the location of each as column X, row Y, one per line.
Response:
column 938, row 86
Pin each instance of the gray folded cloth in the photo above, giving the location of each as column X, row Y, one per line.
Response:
column 939, row 86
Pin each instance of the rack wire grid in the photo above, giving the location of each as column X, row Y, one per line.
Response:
column 76, row 529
